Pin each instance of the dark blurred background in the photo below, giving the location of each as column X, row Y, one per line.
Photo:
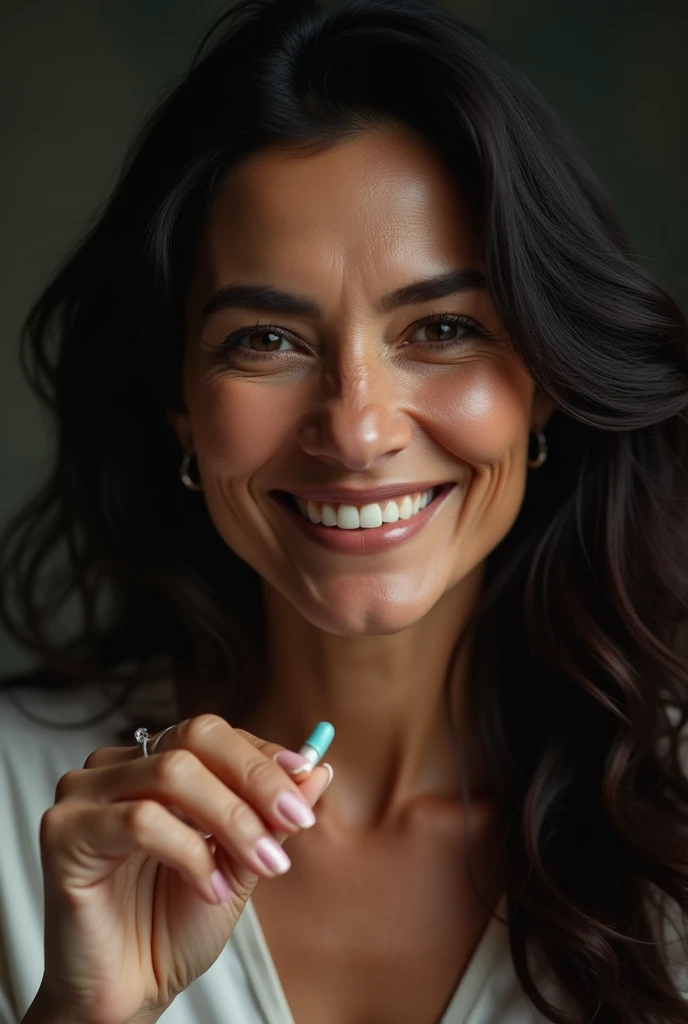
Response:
column 79, row 76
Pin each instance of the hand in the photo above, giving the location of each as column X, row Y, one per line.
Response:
column 131, row 915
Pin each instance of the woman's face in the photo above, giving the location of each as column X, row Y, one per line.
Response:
column 352, row 392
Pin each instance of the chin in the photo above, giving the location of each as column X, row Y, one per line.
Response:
column 372, row 625
column 355, row 611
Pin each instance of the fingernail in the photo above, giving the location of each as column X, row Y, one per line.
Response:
column 330, row 772
column 219, row 886
column 272, row 855
column 295, row 810
column 293, row 762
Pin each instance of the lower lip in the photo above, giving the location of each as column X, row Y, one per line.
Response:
column 368, row 541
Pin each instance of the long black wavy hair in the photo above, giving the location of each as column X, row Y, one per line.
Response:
column 583, row 700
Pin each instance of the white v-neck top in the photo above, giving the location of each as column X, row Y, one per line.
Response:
column 242, row 986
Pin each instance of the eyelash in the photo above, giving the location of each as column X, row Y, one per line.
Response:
column 230, row 342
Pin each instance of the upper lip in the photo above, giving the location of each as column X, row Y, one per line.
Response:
column 365, row 496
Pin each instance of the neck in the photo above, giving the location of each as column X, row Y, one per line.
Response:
column 385, row 696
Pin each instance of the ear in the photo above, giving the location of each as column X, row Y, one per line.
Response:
column 178, row 420
column 541, row 410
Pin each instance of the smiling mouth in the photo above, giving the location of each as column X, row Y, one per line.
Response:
column 340, row 516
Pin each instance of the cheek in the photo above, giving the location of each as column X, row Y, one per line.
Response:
column 481, row 415
column 239, row 425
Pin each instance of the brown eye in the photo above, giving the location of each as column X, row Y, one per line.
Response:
column 440, row 330
column 447, row 330
column 264, row 341
column 257, row 340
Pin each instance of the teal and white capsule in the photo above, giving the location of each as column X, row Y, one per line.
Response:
column 316, row 746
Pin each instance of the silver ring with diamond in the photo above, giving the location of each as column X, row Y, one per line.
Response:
column 142, row 736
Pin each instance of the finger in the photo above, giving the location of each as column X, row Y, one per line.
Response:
column 315, row 784
column 289, row 759
column 294, row 763
column 112, row 755
column 73, row 782
column 312, row 789
column 246, row 765
column 213, row 729
column 105, row 837
column 176, row 778
column 205, row 735
column 245, row 881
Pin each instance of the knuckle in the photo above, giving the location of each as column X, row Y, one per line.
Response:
column 142, row 817
column 239, row 820
column 203, row 726
column 193, row 850
column 94, row 759
column 173, row 764
column 260, row 772
column 51, row 826
column 66, row 784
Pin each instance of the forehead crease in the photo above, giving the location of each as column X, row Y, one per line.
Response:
column 272, row 181
column 257, row 223
column 268, row 235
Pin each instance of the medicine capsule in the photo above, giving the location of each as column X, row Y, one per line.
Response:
column 317, row 743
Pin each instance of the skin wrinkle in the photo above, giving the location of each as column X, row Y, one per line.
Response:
column 362, row 641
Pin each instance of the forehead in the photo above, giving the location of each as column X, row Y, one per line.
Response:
column 381, row 202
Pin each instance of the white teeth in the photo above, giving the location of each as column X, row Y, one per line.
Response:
column 328, row 515
column 348, row 517
column 371, row 516
column 406, row 509
column 368, row 517
column 390, row 513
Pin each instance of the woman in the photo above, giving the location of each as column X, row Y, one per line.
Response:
column 365, row 415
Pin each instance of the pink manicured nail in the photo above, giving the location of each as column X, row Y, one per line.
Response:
column 330, row 772
column 272, row 855
column 219, row 886
column 295, row 809
column 290, row 760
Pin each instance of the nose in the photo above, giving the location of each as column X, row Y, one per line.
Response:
column 359, row 422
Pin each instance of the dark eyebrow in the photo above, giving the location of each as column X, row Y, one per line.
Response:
column 254, row 296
